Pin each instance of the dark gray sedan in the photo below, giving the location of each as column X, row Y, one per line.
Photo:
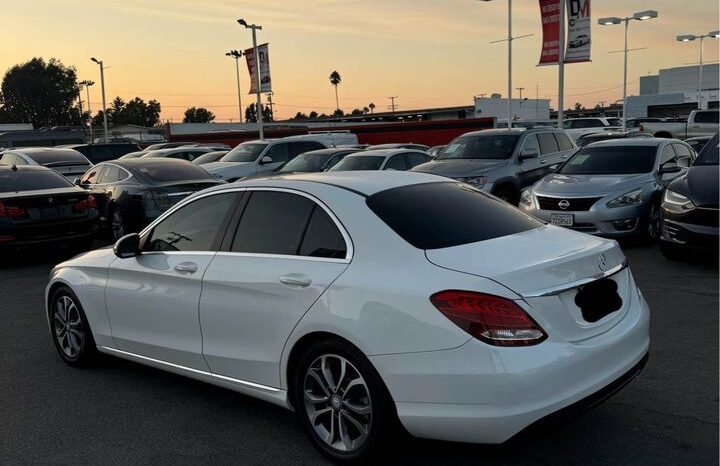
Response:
column 610, row 188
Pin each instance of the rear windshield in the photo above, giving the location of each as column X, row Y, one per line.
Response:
column 57, row 156
column 710, row 153
column 486, row 146
column 446, row 214
column 245, row 152
column 359, row 162
column 31, row 180
column 162, row 172
column 611, row 160
column 209, row 157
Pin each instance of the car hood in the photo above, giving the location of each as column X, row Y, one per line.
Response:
column 699, row 184
column 595, row 185
column 459, row 167
column 236, row 168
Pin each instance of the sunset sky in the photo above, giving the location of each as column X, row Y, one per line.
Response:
column 429, row 53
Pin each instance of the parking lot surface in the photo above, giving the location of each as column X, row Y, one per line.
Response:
column 123, row 413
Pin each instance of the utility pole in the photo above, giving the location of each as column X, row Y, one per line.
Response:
column 258, row 105
column 87, row 85
column 393, row 106
column 102, row 87
column 520, row 89
column 271, row 104
column 236, row 54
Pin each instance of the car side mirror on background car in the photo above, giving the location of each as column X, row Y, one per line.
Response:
column 265, row 160
column 127, row 246
column 528, row 154
column 670, row 168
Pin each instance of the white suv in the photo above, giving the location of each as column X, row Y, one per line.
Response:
column 264, row 156
column 576, row 127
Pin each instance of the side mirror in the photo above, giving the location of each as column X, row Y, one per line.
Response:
column 528, row 154
column 127, row 246
column 265, row 160
column 670, row 168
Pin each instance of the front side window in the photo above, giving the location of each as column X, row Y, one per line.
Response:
column 194, row 227
column 396, row 162
column 668, row 156
column 91, row 177
column 278, row 153
column 707, row 117
column 531, row 144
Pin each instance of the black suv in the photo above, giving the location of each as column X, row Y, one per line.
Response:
column 104, row 151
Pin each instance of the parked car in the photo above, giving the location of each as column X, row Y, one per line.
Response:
column 170, row 145
column 311, row 162
column 68, row 162
column 102, row 152
column 698, row 143
column 132, row 193
column 398, row 145
column 579, row 41
column 258, row 157
column 382, row 159
column 610, row 188
column 502, row 161
column 210, row 157
column 188, row 153
column 295, row 290
column 699, row 123
column 576, row 127
column 589, row 138
column 39, row 206
column 134, row 155
column 690, row 207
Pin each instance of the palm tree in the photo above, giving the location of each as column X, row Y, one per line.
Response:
column 335, row 79
column 372, row 107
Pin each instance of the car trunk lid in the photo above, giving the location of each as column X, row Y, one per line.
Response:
column 46, row 206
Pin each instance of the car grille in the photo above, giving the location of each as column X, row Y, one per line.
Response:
column 574, row 203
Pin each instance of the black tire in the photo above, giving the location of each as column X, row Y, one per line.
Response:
column 506, row 194
column 74, row 343
column 671, row 252
column 382, row 420
column 653, row 222
column 117, row 224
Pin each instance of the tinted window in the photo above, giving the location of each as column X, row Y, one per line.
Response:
column 305, row 163
column 683, row 153
column 176, row 171
column 563, row 141
column 333, row 161
column 531, row 144
column 611, row 160
column 11, row 159
column 668, row 155
column 111, row 174
column 194, row 227
column 322, row 237
column 209, row 157
column 278, row 153
column 707, row 117
column 359, row 162
column 440, row 215
column 91, row 176
column 485, row 146
column 272, row 223
column 414, row 159
column 31, row 180
column 57, row 156
column 297, row 148
column 548, row 144
column 245, row 152
column 396, row 162
column 99, row 154
column 710, row 153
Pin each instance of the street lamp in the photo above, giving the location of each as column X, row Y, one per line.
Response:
column 102, row 87
column 87, row 85
column 236, row 55
column 690, row 38
column 258, row 105
column 640, row 16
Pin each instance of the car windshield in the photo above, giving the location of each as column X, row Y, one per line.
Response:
column 31, row 180
column 710, row 153
column 359, row 162
column 611, row 160
column 245, row 152
column 486, row 146
column 305, row 163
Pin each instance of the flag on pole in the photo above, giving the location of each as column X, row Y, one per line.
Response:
column 265, row 81
column 578, row 31
column 550, row 16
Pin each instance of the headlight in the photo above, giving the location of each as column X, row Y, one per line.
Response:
column 676, row 202
column 527, row 200
column 631, row 198
column 477, row 181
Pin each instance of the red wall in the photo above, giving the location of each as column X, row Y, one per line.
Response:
column 431, row 133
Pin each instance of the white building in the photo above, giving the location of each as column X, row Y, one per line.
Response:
column 525, row 109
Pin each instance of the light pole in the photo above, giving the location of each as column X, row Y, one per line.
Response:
column 640, row 16
column 258, row 105
column 102, row 87
column 236, row 55
column 690, row 38
column 87, row 84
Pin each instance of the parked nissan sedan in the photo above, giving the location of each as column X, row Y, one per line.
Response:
column 381, row 159
column 610, row 188
column 356, row 300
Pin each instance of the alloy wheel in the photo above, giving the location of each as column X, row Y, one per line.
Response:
column 337, row 403
column 68, row 326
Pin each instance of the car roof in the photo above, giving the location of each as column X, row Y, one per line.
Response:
column 382, row 152
column 652, row 142
column 501, row 131
column 143, row 162
column 331, row 151
column 43, row 150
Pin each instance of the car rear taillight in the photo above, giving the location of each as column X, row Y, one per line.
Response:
column 12, row 212
column 492, row 319
column 85, row 205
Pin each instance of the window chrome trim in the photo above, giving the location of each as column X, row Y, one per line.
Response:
column 554, row 290
column 224, row 378
column 346, row 260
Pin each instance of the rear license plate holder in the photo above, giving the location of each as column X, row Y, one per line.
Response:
column 598, row 299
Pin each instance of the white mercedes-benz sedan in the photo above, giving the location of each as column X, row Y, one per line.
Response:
column 364, row 301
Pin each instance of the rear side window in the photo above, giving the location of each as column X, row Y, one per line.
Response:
column 446, row 214
column 322, row 237
column 160, row 172
column 563, row 141
column 548, row 144
column 111, row 174
column 707, row 117
column 31, row 180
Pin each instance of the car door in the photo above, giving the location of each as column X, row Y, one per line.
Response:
column 550, row 153
column 529, row 167
column 279, row 256
column 152, row 298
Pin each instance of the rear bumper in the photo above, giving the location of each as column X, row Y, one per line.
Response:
column 482, row 394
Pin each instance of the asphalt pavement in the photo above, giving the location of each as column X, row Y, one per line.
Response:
column 120, row 413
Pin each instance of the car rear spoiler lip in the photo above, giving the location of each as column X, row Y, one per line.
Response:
column 577, row 283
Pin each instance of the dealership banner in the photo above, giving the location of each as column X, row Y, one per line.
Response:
column 578, row 31
column 550, row 15
column 265, row 82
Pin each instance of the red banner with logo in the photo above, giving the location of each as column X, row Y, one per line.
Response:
column 550, row 15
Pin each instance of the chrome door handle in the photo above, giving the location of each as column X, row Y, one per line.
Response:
column 295, row 280
column 563, row 156
column 186, row 267
column 543, row 161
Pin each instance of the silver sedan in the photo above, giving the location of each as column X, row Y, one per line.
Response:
column 610, row 188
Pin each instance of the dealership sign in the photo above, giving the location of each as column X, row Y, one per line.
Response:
column 577, row 30
column 265, row 82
